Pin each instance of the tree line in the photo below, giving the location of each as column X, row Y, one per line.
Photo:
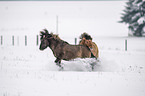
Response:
column 134, row 17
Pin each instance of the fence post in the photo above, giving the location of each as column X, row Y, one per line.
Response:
column 57, row 24
column 126, row 45
column 1, row 40
column 13, row 40
column 75, row 41
column 18, row 40
column 25, row 40
column 37, row 42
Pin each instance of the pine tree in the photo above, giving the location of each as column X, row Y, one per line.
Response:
column 134, row 16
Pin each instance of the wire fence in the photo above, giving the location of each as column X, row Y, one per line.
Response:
column 19, row 40
column 104, row 43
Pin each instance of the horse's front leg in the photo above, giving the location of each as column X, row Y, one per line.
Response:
column 58, row 62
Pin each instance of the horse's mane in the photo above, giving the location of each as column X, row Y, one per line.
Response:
column 57, row 38
column 55, row 35
column 86, row 36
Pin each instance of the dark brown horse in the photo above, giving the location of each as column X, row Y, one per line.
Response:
column 61, row 49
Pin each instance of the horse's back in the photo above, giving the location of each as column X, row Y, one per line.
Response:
column 77, row 51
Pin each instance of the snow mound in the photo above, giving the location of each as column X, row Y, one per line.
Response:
column 84, row 65
column 79, row 64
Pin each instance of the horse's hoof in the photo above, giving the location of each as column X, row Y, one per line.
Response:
column 58, row 64
column 60, row 69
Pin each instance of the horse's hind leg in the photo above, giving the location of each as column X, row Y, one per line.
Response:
column 93, row 64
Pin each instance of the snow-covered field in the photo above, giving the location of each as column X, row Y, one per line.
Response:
column 27, row 71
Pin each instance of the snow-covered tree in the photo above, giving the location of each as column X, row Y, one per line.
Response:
column 134, row 16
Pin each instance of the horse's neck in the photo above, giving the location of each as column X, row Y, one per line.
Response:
column 54, row 44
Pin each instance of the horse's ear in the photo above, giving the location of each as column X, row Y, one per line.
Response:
column 42, row 33
column 46, row 31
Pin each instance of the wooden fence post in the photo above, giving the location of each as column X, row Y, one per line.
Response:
column 1, row 40
column 25, row 40
column 18, row 40
column 57, row 24
column 37, row 41
column 126, row 45
column 75, row 41
column 13, row 40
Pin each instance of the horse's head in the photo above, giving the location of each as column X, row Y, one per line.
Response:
column 89, row 43
column 45, row 37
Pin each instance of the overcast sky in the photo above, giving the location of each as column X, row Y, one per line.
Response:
column 98, row 18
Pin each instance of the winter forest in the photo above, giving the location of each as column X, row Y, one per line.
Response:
column 29, row 65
